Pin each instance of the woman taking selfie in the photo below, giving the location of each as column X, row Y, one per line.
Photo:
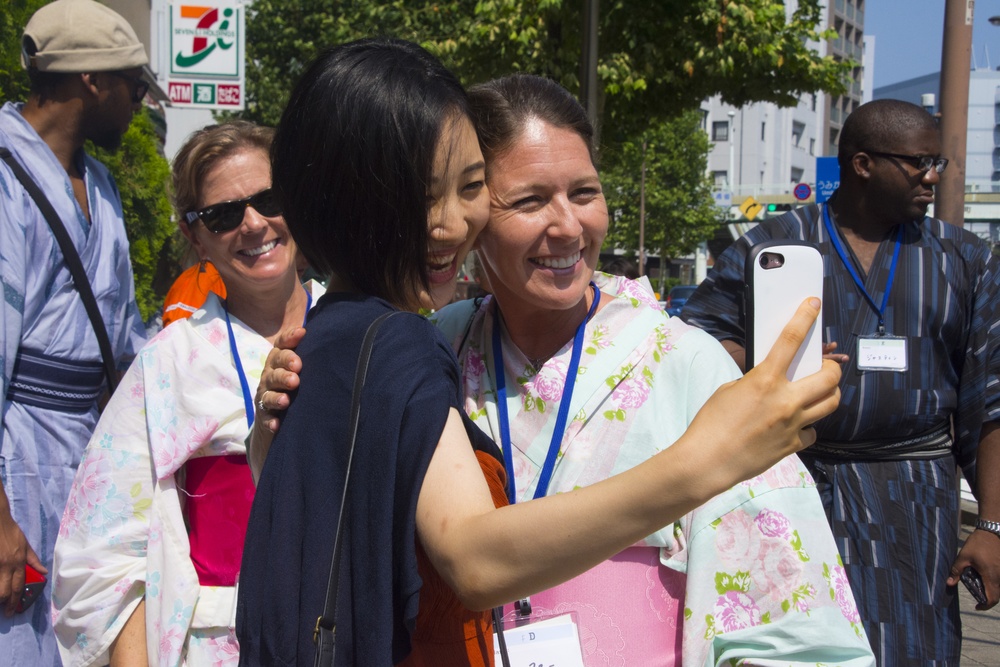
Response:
column 384, row 191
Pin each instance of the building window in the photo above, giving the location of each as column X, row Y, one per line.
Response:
column 720, row 130
column 814, row 101
column 798, row 129
column 796, row 175
column 704, row 120
column 721, row 179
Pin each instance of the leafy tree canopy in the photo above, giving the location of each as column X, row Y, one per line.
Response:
column 679, row 209
column 656, row 59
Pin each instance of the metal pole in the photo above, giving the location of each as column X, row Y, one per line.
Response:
column 588, row 62
column 732, row 156
column 642, row 217
column 956, row 54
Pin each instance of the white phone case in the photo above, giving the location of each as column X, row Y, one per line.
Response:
column 780, row 275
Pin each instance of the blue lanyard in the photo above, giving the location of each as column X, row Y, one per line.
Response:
column 854, row 274
column 560, row 427
column 244, row 385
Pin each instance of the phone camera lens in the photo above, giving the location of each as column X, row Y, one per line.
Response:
column 763, row 260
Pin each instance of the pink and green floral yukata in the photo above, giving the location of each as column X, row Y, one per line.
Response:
column 752, row 577
column 123, row 535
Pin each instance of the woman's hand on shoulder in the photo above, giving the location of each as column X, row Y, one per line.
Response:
column 280, row 376
column 754, row 422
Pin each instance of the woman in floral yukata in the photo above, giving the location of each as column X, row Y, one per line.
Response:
column 151, row 540
column 595, row 380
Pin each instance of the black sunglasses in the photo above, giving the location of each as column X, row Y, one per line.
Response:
column 228, row 215
column 921, row 162
column 139, row 86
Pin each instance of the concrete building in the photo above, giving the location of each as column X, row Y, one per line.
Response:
column 763, row 150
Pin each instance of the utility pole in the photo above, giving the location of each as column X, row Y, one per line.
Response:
column 588, row 63
column 642, row 217
column 956, row 54
column 732, row 156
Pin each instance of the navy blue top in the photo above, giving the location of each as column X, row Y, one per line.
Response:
column 411, row 385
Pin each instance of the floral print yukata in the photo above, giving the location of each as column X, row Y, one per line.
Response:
column 123, row 535
column 750, row 578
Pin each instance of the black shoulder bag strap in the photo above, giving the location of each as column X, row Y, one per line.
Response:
column 325, row 632
column 73, row 263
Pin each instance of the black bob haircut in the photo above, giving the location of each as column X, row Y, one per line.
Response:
column 352, row 159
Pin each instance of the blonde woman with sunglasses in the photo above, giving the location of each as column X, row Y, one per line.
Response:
column 151, row 541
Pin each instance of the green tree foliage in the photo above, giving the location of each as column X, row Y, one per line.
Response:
column 680, row 212
column 656, row 59
column 14, row 14
column 139, row 168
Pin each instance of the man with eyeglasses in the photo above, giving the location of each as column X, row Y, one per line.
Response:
column 885, row 461
column 84, row 63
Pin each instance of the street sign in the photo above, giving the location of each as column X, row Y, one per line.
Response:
column 723, row 198
column 207, row 47
column 751, row 208
column 802, row 191
column 827, row 178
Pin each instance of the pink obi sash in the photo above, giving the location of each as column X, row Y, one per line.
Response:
column 630, row 610
column 219, row 494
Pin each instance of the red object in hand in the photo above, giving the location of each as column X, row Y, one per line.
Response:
column 34, row 582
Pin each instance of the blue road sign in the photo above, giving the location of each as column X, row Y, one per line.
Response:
column 723, row 198
column 827, row 178
column 802, row 191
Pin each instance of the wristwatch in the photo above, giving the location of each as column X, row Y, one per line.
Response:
column 988, row 526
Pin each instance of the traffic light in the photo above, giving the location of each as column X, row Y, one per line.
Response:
column 778, row 209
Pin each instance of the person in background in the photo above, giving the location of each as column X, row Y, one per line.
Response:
column 885, row 460
column 84, row 63
column 621, row 266
column 150, row 544
column 594, row 380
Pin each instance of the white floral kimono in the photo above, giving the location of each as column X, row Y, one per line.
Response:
column 753, row 576
column 123, row 536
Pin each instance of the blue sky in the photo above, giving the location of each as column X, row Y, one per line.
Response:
column 908, row 36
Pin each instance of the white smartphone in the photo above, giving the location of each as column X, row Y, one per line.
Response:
column 780, row 275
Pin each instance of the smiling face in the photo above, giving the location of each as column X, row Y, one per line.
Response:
column 259, row 252
column 458, row 206
column 548, row 219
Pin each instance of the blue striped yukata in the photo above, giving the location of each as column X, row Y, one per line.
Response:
column 894, row 518
column 52, row 373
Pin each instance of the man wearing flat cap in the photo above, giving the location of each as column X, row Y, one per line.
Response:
column 84, row 63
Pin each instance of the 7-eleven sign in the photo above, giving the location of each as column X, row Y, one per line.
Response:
column 206, row 39
column 207, row 47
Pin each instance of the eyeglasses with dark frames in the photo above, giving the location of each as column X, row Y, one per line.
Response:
column 921, row 162
column 228, row 215
column 139, row 86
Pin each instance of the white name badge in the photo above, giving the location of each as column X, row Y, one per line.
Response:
column 882, row 353
column 554, row 642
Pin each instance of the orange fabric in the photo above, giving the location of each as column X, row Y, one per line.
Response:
column 446, row 632
column 189, row 291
